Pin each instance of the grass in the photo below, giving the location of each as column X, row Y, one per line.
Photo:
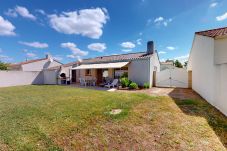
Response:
column 65, row 118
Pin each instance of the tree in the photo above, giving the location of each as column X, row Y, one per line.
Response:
column 186, row 64
column 3, row 66
column 178, row 64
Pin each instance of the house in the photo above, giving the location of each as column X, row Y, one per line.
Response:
column 35, row 65
column 208, row 66
column 139, row 67
column 168, row 64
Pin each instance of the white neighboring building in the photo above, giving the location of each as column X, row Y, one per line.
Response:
column 35, row 65
column 168, row 64
column 208, row 64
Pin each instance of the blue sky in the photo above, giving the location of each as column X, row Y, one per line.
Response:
column 78, row 29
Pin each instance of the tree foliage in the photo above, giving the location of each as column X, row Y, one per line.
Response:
column 3, row 66
column 178, row 64
column 186, row 64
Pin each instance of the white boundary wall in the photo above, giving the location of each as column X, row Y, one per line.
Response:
column 16, row 78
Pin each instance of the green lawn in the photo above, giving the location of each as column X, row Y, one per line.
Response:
column 66, row 118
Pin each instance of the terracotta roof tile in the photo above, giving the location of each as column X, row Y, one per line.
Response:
column 111, row 58
column 219, row 32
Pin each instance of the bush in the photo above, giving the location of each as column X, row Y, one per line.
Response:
column 146, row 85
column 125, row 82
column 133, row 85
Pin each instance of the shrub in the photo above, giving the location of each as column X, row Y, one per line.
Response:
column 133, row 85
column 125, row 82
column 146, row 85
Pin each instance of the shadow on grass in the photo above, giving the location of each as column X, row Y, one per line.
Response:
column 192, row 104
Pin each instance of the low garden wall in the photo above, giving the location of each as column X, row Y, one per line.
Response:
column 16, row 78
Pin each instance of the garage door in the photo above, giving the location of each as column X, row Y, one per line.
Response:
column 176, row 77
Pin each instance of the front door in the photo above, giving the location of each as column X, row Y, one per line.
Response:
column 99, row 76
column 74, row 76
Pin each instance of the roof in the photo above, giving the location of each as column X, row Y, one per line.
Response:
column 113, row 58
column 166, row 63
column 17, row 65
column 219, row 32
column 25, row 62
column 64, row 65
column 104, row 59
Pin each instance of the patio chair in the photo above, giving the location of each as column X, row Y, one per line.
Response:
column 93, row 81
column 113, row 84
column 82, row 82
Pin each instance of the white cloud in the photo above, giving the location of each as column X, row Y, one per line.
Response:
column 100, row 47
column 128, row 45
column 59, row 58
column 159, row 19
column 214, row 4
column 41, row 11
column 11, row 13
column 22, row 11
column 162, row 60
column 222, row 17
column 1, row 50
column 75, row 51
column 126, row 50
column 34, row 44
column 6, row 27
column 162, row 21
column 5, row 58
column 24, row 50
column 139, row 41
column 171, row 48
column 149, row 22
column 74, row 57
column 30, row 55
column 162, row 52
column 140, row 33
column 85, row 22
column 183, row 58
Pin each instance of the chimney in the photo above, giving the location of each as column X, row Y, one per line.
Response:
column 150, row 47
column 48, row 56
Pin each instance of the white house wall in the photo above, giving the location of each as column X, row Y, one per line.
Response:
column 50, row 76
column 203, row 69
column 209, row 70
column 220, row 47
column 221, row 90
column 138, row 71
column 156, row 62
column 39, row 65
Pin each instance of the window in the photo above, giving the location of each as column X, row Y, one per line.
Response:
column 105, row 73
column 119, row 72
column 88, row 72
